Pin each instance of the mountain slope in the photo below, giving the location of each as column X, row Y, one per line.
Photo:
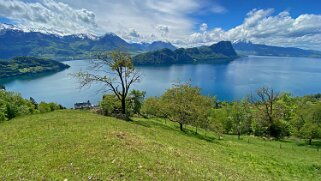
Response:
column 17, row 42
column 220, row 50
column 78, row 145
column 248, row 48
column 29, row 65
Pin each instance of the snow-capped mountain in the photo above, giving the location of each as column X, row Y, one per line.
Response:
column 20, row 41
column 43, row 30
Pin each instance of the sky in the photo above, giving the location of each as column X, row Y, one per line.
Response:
column 185, row 23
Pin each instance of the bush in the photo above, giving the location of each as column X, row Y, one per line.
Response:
column 44, row 107
column 110, row 105
column 13, row 105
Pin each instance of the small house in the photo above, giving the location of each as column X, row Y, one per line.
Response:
column 83, row 105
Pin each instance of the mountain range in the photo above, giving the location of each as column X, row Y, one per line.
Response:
column 220, row 50
column 18, row 42
column 248, row 48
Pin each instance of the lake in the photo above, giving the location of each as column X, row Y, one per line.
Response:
column 228, row 80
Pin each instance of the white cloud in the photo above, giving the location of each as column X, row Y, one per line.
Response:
column 217, row 9
column 131, row 35
column 261, row 26
column 161, row 19
column 203, row 27
column 49, row 14
column 168, row 20
column 163, row 30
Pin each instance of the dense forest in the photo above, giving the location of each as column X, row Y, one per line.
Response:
column 29, row 65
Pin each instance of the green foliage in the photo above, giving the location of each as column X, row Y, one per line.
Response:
column 29, row 65
column 137, row 99
column 153, row 107
column 273, row 115
column 309, row 122
column 185, row 104
column 110, row 104
column 219, row 121
column 240, row 115
column 44, row 107
column 13, row 105
column 221, row 50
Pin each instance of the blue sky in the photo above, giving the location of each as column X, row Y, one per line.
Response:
column 183, row 22
column 237, row 9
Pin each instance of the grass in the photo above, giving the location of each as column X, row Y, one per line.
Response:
column 78, row 145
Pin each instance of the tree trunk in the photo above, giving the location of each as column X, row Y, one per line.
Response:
column 123, row 106
column 181, row 126
column 310, row 141
column 238, row 135
column 196, row 130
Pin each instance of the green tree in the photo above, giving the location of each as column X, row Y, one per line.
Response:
column 217, row 120
column 239, row 113
column 311, row 121
column 184, row 104
column 285, row 107
column 265, row 102
column 136, row 99
column 116, row 71
column 200, row 117
column 151, row 106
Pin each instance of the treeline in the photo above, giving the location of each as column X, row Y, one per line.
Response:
column 13, row 105
column 265, row 114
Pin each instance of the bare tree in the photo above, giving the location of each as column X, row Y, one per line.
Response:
column 265, row 102
column 115, row 70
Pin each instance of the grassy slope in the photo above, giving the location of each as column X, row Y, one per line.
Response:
column 81, row 145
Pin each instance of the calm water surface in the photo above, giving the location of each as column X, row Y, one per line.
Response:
column 228, row 80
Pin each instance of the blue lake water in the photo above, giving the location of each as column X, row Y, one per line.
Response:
column 228, row 80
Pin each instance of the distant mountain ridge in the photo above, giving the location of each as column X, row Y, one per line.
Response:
column 220, row 50
column 18, row 42
column 249, row 48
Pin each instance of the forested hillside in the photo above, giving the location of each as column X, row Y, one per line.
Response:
column 29, row 65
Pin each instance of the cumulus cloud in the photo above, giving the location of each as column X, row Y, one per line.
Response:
column 169, row 20
column 261, row 26
column 163, row 30
column 131, row 35
column 164, row 19
column 49, row 14
column 203, row 27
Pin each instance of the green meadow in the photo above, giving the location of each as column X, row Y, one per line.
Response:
column 80, row 145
